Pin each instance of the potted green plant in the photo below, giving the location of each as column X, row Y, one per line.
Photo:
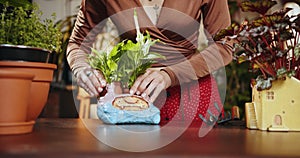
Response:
column 25, row 37
column 127, row 59
column 23, row 33
column 270, row 43
column 121, row 66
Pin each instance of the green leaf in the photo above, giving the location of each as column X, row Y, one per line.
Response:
column 115, row 53
column 229, row 31
column 153, row 56
column 281, row 73
column 258, row 6
column 270, row 20
column 112, row 65
column 130, row 46
column 262, row 84
column 242, row 58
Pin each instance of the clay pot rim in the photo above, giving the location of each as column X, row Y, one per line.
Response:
column 16, row 74
column 28, row 64
column 27, row 123
column 14, row 128
column 23, row 46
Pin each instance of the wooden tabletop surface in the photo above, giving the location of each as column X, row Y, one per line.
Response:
column 70, row 138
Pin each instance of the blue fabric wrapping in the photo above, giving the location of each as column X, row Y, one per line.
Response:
column 111, row 115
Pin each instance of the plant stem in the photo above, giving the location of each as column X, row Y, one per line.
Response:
column 252, row 41
column 268, row 45
column 288, row 58
column 280, row 43
column 261, row 68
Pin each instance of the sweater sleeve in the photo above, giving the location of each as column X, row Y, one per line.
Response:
column 89, row 23
column 215, row 17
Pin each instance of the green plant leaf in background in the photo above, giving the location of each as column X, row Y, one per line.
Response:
column 17, row 3
column 20, row 26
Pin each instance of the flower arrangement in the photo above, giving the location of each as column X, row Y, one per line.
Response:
column 21, row 24
column 127, row 60
column 270, row 42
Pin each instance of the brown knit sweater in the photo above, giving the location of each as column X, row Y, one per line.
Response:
column 177, row 28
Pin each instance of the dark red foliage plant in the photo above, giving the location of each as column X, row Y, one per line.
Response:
column 270, row 42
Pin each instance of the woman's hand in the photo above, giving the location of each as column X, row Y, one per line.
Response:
column 92, row 81
column 151, row 84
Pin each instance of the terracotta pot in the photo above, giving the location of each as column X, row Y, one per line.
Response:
column 14, row 99
column 40, row 86
column 14, row 93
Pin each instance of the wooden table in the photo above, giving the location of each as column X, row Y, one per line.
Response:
column 70, row 138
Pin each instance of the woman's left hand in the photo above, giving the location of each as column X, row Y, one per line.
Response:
column 151, row 84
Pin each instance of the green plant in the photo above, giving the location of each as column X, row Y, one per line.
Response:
column 269, row 42
column 22, row 25
column 127, row 60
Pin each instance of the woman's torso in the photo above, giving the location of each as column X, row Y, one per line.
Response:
column 177, row 25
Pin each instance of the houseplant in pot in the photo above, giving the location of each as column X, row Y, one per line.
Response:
column 22, row 36
column 121, row 66
column 270, row 43
column 25, row 36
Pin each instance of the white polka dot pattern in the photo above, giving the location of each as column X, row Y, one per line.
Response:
column 196, row 97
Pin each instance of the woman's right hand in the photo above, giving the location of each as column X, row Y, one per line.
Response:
column 92, row 81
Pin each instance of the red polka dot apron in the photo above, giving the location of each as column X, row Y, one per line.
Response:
column 190, row 101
